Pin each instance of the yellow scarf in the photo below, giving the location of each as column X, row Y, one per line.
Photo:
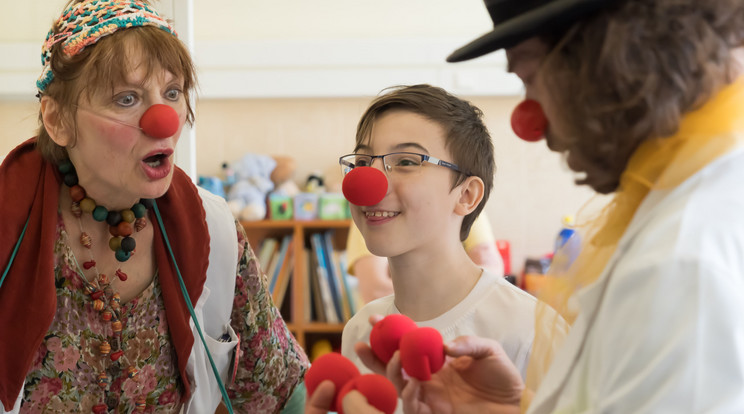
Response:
column 658, row 164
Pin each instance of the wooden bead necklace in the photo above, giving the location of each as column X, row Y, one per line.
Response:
column 122, row 224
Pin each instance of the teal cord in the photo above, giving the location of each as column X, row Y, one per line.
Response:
column 15, row 250
column 225, row 398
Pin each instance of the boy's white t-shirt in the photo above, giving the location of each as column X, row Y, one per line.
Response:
column 493, row 309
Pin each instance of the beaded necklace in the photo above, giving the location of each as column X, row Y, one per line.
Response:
column 122, row 225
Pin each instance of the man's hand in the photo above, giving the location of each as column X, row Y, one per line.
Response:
column 477, row 377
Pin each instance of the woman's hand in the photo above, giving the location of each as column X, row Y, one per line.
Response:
column 322, row 398
column 354, row 401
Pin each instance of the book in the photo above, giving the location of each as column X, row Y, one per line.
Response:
column 281, row 261
column 318, row 311
column 306, row 293
column 347, row 295
column 272, row 266
column 323, row 278
column 268, row 246
column 326, row 243
column 285, row 273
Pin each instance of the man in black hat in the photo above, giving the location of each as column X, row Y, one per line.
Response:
column 645, row 99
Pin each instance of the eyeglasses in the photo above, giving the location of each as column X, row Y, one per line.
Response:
column 395, row 162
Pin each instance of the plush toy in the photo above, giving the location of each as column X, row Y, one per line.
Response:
column 254, row 176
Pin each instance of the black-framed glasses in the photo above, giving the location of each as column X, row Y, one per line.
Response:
column 394, row 162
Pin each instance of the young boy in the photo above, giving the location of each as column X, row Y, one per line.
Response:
column 427, row 211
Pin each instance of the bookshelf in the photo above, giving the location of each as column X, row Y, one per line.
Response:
column 293, row 308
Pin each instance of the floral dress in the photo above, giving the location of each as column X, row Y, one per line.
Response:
column 65, row 374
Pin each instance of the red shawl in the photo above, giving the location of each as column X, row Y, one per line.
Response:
column 29, row 189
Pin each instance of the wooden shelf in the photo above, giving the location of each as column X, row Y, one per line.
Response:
column 305, row 332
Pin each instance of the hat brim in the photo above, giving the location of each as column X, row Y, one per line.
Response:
column 543, row 19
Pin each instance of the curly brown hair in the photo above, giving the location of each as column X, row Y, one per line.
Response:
column 105, row 64
column 632, row 71
column 466, row 136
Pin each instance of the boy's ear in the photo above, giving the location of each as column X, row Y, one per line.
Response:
column 53, row 123
column 471, row 193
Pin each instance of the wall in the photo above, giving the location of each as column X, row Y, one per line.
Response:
column 314, row 121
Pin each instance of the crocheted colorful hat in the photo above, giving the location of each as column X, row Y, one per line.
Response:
column 83, row 24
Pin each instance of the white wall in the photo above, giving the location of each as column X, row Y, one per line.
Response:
column 293, row 76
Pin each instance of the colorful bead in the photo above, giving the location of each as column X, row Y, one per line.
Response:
column 113, row 218
column 90, row 263
column 128, row 216
column 70, row 180
column 105, row 348
column 103, row 380
column 87, row 205
column 98, row 305
column 106, row 315
column 96, row 294
column 65, row 166
column 115, row 243
column 140, row 224
column 131, row 371
column 103, row 279
column 139, row 210
column 100, row 213
column 77, row 193
column 100, row 409
column 124, row 229
column 140, row 405
column 76, row 211
column 116, row 355
column 85, row 240
column 121, row 275
column 116, row 326
column 122, row 256
column 128, row 244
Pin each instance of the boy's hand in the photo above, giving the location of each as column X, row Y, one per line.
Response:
column 478, row 377
column 364, row 351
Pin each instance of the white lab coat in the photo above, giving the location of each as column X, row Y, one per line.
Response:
column 662, row 329
column 212, row 311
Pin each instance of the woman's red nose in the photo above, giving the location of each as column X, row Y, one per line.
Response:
column 160, row 121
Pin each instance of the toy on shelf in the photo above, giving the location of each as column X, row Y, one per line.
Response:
column 252, row 178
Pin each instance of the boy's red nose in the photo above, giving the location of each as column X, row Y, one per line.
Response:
column 364, row 186
column 160, row 121
column 528, row 120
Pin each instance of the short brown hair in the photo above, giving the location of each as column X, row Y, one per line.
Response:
column 632, row 71
column 466, row 137
column 105, row 64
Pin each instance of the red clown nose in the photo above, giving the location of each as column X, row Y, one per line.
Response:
column 364, row 186
column 528, row 121
column 160, row 121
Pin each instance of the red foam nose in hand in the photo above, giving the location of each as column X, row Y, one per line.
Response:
column 384, row 338
column 160, row 121
column 331, row 366
column 422, row 352
column 378, row 390
column 528, row 120
column 364, row 186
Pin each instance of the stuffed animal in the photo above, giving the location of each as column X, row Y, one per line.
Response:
column 255, row 175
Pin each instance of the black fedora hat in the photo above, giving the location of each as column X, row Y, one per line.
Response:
column 517, row 20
